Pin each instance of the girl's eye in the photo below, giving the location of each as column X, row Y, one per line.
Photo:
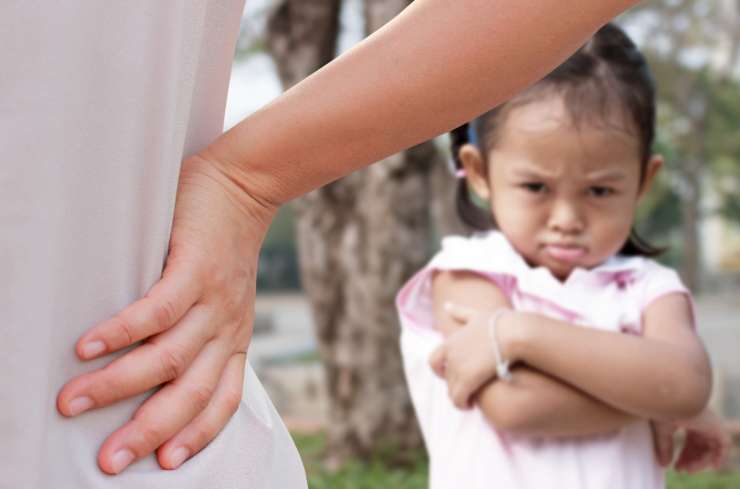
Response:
column 534, row 187
column 601, row 191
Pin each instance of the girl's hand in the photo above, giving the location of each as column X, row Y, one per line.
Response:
column 707, row 443
column 195, row 324
column 663, row 441
column 466, row 359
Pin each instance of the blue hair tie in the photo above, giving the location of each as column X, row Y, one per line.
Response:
column 473, row 133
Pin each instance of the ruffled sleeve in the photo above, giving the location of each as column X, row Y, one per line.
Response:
column 484, row 254
column 659, row 281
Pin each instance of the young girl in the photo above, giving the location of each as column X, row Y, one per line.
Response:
column 561, row 331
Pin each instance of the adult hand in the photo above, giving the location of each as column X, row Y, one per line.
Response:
column 195, row 325
column 466, row 359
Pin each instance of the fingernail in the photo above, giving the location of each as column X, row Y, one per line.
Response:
column 78, row 405
column 122, row 459
column 179, row 456
column 92, row 349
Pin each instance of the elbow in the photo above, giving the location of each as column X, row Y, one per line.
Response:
column 690, row 393
column 513, row 421
column 697, row 398
column 508, row 411
column 692, row 404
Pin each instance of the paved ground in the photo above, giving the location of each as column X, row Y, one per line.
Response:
column 719, row 325
column 283, row 348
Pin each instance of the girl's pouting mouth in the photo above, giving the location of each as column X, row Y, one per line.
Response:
column 567, row 253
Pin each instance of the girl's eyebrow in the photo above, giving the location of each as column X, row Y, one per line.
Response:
column 608, row 174
column 531, row 172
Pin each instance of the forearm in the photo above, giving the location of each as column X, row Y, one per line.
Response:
column 646, row 377
column 422, row 74
column 535, row 404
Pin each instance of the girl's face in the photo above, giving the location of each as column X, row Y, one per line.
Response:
column 564, row 196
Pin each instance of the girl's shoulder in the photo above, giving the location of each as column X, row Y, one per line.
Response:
column 486, row 252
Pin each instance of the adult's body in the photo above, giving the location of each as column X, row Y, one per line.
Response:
column 99, row 105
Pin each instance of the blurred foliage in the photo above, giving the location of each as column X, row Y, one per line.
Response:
column 282, row 229
column 252, row 33
column 278, row 263
column 693, row 47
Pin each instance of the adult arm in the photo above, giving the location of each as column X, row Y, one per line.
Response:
column 532, row 403
column 436, row 65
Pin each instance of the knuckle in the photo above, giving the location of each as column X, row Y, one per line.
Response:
column 172, row 363
column 149, row 438
column 203, row 432
column 164, row 313
column 232, row 399
column 217, row 276
column 107, row 385
column 124, row 330
column 200, row 396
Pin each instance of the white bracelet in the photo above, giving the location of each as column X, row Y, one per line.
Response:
column 502, row 366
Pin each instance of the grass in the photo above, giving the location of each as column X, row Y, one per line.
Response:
column 375, row 474
column 704, row 480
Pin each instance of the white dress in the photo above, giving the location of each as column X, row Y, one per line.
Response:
column 100, row 100
column 465, row 450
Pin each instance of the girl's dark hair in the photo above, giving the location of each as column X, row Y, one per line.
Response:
column 605, row 75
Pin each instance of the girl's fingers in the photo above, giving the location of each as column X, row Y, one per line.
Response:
column 695, row 453
column 204, row 428
column 724, row 453
column 164, row 414
column 161, row 308
column 663, row 439
column 437, row 361
column 149, row 365
column 459, row 392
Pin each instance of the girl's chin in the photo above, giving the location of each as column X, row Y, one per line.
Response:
column 561, row 270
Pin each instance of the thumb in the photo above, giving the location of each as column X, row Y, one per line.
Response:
column 438, row 359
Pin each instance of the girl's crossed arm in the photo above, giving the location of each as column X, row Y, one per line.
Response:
column 662, row 375
column 533, row 403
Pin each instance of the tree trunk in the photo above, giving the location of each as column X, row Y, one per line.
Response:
column 359, row 239
column 692, row 250
column 696, row 109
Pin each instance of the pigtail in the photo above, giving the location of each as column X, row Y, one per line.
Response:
column 467, row 210
column 637, row 246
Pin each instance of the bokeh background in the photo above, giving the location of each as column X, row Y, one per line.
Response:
column 326, row 334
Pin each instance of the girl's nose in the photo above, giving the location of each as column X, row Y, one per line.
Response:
column 566, row 218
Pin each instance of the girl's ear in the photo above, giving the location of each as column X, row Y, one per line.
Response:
column 475, row 170
column 653, row 167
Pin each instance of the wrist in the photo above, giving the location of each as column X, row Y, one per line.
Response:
column 512, row 335
column 259, row 211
